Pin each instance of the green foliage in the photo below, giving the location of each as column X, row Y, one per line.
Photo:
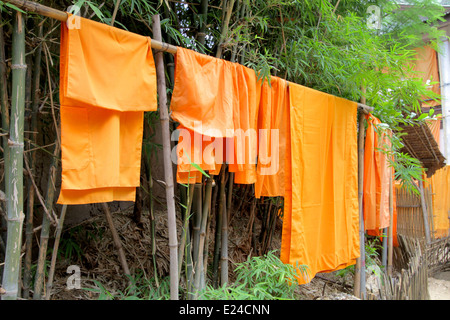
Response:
column 259, row 278
column 372, row 248
column 140, row 288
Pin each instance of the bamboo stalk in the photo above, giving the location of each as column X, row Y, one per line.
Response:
column 201, row 36
column 31, row 192
column 197, row 221
column 4, row 110
column 424, row 213
column 185, row 231
column 218, row 235
column 45, row 230
column 51, row 272
column 59, row 15
column 116, row 9
column 359, row 285
column 199, row 274
column 14, row 194
column 224, row 242
column 391, row 226
column 223, row 35
column 168, row 173
column 148, row 169
column 116, row 239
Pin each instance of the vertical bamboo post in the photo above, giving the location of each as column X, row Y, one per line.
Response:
column 116, row 239
column 391, row 226
column 201, row 35
column 31, row 192
column 385, row 245
column 202, row 237
column 223, row 35
column 184, row 243
column 168, row 173
column 224, row 240
column 218, row 235
column 424, row 213
column 51, row 272
column 15, row 216
column 4, row 111
column 45, row 230
column 197, row 221
column 4, row 107
column 360, row 273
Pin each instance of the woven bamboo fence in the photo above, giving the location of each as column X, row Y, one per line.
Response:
column 415, row 259
column 410, row 221
column 438, row 255
column 411, row 280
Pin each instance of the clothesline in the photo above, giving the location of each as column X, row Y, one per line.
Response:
column 63, row 16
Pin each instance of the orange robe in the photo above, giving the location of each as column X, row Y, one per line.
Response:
column 108, row 80
column 376, row 178
column 272, row 129
column 321, row 217
column 216, row 103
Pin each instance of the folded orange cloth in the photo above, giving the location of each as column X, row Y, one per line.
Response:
column 321, row 217
column 376, row 176
column 107, row 80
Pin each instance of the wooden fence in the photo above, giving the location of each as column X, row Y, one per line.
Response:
column 410, row 217
column 410, row 281
column 416, row 258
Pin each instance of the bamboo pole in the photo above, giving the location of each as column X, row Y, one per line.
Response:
column 116, row 9
column 197, row 221
column 116, row 239
column 45, row 230
column 168, row 173
column 4, row 110
column 223, row 35
column 31, row 192
column 51, row 272
column 224, row 241
column 218, row 227
column 391, row 226
column 424, row 212
column 359, row 285
column 199, row 273
column 201, row 35
column 59, row 15
column 14, row 196
column 185, row 230
column 156, row 44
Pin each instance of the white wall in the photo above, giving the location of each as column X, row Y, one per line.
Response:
column 444, row 71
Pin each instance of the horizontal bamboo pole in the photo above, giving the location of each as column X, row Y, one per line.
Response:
column 34, row 7
column 365, row 108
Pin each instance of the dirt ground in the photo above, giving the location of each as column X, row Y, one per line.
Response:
column 100, row 265
column 439, row 286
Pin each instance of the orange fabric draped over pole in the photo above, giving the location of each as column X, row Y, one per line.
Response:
column 376, row 177
column 321, row 218
column 216, row 103
column 102, row 105
column 272, row 120
column 305, row 146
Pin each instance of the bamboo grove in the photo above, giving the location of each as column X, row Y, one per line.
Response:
column 325, row 45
